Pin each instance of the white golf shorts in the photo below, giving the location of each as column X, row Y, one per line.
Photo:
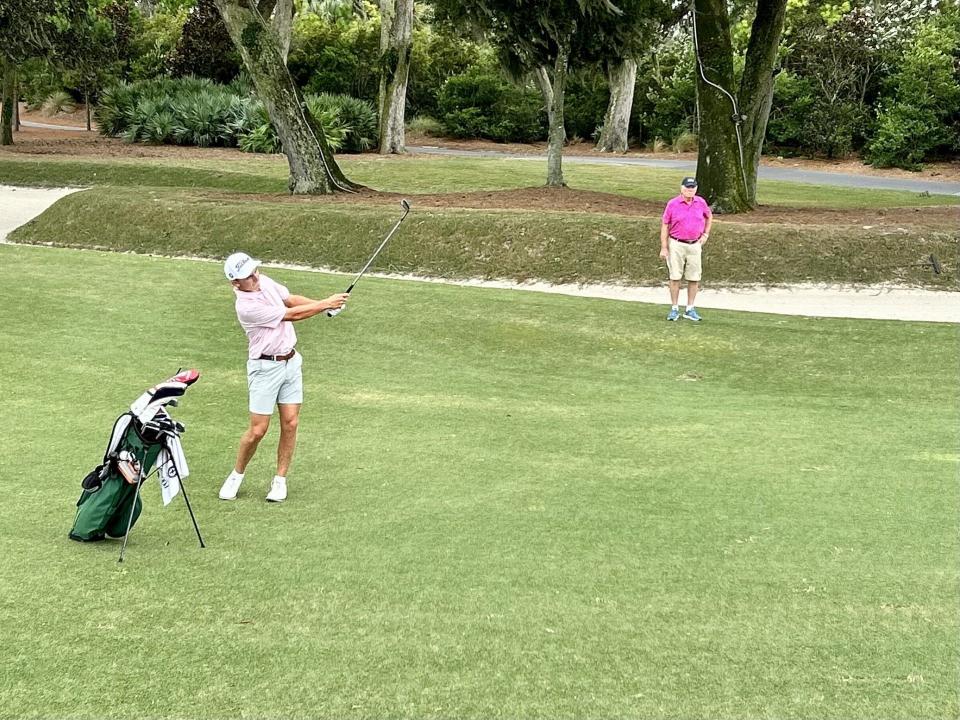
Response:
column 274, row 381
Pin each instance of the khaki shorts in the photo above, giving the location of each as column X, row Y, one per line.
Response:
column 684, row 260
column 274, row 381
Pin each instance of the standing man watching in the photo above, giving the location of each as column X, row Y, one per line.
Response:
column 684, row 232
column 266, row 311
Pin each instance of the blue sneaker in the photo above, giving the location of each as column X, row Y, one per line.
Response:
column 674, row 315
column 692, row 314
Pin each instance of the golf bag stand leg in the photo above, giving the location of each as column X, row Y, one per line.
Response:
column 133, row 507
column 196, row 527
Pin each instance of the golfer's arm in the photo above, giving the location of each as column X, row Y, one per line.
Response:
column 307, row 310
column 294, row 300
column 706, row 229
column 664, row 234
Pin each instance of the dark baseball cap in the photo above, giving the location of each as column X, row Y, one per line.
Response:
column 689, row 182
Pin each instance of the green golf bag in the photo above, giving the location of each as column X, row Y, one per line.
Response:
column 144, row 437
column 105, row 505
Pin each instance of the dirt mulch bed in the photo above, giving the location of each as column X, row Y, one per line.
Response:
column 41, row 141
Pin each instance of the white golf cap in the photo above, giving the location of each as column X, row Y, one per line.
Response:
column 239, row 266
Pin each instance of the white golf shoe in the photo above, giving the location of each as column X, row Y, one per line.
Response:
column 278, row 490
column 231, row 485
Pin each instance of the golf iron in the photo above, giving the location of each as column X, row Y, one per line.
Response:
column 405, row 204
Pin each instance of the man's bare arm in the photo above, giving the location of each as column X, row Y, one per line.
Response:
column 313, row 307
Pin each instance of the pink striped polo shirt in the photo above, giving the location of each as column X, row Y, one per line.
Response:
column 686, row 221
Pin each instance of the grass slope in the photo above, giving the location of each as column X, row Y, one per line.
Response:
column 460, row 243
column 502, row 505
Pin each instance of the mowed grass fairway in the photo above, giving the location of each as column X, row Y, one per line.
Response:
column 503, row 504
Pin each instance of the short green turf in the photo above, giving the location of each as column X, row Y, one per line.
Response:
column 503, row 505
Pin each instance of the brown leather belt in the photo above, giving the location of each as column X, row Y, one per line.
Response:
column 279, row 358
column 686, row 242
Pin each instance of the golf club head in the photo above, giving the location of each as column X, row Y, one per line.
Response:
column 405, row 204
column 935, row 265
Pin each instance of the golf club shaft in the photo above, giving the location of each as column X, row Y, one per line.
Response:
column 406, row 209
column 377, row 251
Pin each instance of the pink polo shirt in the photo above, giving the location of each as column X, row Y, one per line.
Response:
column 686, row 221
column 261, row 316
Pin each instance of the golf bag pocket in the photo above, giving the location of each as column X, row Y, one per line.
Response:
column 94, row 480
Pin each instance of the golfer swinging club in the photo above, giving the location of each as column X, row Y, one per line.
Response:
column 266, row 311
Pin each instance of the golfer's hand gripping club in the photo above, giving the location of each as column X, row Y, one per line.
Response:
column 405, row 204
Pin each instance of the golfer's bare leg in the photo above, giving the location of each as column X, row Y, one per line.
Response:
column 692, row 287
column 674, row 291
column 259, row 424
column 289, row 419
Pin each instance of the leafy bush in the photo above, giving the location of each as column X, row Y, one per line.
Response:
column 792, row 102
column 37, row 79
column 436, row 56
column 154, row 41
column 58, row 102
column 585, row 103
column 426, row 126
column 478, row 104
column 356, row 118
column 337, row 55
column 114, row 109
column 203, row 118
column 159, row 128
column 905, row 136
column 205, row 48
column 197, row 111
column 664, row 101
column 685, row 142
column 921, row 112
column 246, row 115
column 262, row 139
column 140, row 121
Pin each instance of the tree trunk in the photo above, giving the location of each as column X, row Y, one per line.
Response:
column 313, row 169
column 756, row 84
column 396, row 31
column 7, row 83
column 553, row 96
column 622, row 77
column 16, row 104
column 733, row 120
column 283, row 25
column 86, row 105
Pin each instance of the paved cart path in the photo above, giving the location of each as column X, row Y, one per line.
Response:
column 879, row 302
column 766, row 172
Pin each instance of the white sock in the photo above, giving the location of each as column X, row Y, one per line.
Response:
column 281, row 478
column 238, row 476
column 691, row 307
column 675, row 307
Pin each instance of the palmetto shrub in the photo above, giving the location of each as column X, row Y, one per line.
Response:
column 353, row 121
column 203, row 117
column 261, row 139
column 197, row 111
column 113, row 110
column 58, row 102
